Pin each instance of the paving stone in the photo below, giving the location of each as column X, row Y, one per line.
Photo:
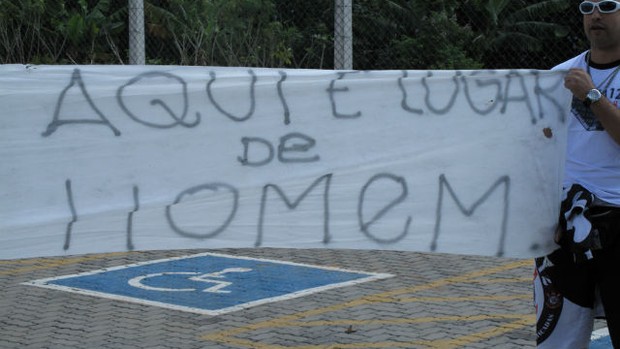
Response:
column 430, row 298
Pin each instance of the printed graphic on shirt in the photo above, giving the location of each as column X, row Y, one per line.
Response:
column 549, row 299
column 585, row 116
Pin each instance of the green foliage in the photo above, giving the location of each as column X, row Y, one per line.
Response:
column 388, row 34
column 56, row 31
column 416, row 35
column 221, row 32
column 22, row 35
column 310, row 31
column 518, row 29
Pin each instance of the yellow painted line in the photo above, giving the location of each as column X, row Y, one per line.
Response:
column 405, row 321
column 42, row 264
column 228, row 336
column 523, row 321
column 519, row 322
column 464, row 278
column 504, row 281
column 465, row 299
column 20, row 261
column 437, row 344
column 294, row 320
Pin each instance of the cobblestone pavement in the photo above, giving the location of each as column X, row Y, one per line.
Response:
column 433, row 301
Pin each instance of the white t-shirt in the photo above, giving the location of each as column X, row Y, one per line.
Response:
column 592, row 156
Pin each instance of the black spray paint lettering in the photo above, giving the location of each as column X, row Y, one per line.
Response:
column 74, row 217
column 516, row 98
column 177, row 120
column 103, row 120
column 296, row 143
column 364, row 224
column 222, row 110
column 293, row 205
column 504, row 95
column 443, row 183
column 255, row 141
column 287, row 112
column 252, row 97
column 332, row 90
column 482, row 83
column 292, row 148
column 545, row 93
column 136, row 208
column 403, row 90
column 214, row 187
column 76, row 78
column 450, row 104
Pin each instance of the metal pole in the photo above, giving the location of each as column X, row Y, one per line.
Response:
column 343, row 34
column 136, row 32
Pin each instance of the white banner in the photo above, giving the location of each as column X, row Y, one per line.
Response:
column 117, row 158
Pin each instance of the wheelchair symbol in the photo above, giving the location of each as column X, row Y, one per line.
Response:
column 211, row 278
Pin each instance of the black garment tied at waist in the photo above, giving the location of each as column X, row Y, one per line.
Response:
column 586, row 226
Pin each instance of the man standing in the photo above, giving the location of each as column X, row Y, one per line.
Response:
column 579, row 281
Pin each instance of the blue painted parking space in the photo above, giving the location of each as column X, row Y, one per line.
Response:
column 207, row 283
column 601, row 343
column 600, row 340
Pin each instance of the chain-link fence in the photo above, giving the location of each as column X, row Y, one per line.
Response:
column 319, row 34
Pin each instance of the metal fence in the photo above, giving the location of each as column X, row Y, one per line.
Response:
column 318, row 34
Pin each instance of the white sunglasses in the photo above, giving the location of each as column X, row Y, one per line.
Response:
column 606, row 6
